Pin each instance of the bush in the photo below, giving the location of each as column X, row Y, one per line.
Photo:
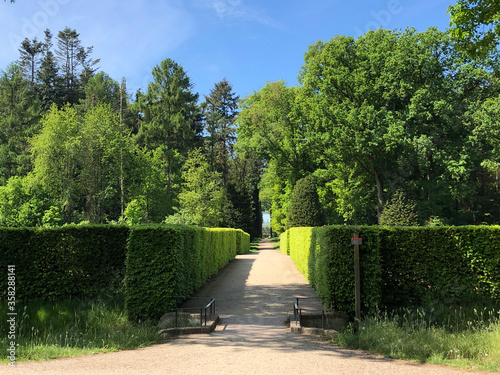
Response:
column 304, row 209
column 70, row 261
column 399, row 211
column 400, row 266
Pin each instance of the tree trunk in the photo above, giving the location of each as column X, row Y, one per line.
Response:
column 380, row 195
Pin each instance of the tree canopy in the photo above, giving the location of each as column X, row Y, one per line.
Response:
column 475, row 24
column 371, row 117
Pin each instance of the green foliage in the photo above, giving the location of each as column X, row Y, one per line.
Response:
column 304, row 209
column 19, row 117
column 476, row 25
column 271, row 126
column 80, row 161
column 242, row 242
column 220, row 115
column 170, row 124
column 70, row 261
column 25, row 203
column 135, row 211
column 400, row 266
column 399, row 211
column 168, row 261
column 202, row 198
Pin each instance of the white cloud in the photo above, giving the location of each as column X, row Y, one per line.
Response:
column 236, row 9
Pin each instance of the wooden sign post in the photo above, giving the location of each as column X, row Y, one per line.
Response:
column 356, row 241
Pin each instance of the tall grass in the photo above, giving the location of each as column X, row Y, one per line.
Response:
column 468, row 338
column 47, row 330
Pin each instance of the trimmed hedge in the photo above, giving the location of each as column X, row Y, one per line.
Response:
column 242, row 242
column 70, row 261
column 157, row 262
column 284, row 243
column 400, row 266
column 168, row 261
column 447, row 265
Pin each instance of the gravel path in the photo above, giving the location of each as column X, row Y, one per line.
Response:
column 254, row 296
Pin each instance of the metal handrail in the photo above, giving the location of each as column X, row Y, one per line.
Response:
column 203, row 310
column 297, row 311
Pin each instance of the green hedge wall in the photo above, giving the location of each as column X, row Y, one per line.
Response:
column 70, row 261
column 168, row 261
column 284, row 244
column 447, row 265
column 242, row 242
column 157, row 262
column 400, row 266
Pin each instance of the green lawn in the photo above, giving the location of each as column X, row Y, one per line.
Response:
column 46, row 330
column 469, row 340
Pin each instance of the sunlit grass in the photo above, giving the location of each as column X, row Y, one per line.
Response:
column 275, row 241
column 47, row 330
column 464, row 339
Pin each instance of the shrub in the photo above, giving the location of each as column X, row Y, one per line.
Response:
column 304, row 209
column 399, row 211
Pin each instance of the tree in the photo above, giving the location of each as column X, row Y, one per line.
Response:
column 19, row 116
column 202, row 199
column 25, row 203
column 55, row 152
column 476, row 26
column 243, row 194
column 102, row 89
column 78, row 159
column 49, row 83
column 76, row 65
column 29, row 57
column 271, row 126
column 399, row 210
column 170, row 119
column 221, row 108
column 369, row 100
column 305, row 209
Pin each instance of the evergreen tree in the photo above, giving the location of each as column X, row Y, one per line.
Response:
column 221, row 109
column 19, row 116
column 49, row 82
column 399, row 211
column 29, row 62
column 169, row 125
column 76, row 65
column 304, row 209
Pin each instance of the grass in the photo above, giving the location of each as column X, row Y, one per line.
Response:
column 275, row 241
column 466, row 338
column 47, row 330
column 254, row 246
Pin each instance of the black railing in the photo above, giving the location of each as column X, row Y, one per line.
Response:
column 299, row 312
column 205, row 312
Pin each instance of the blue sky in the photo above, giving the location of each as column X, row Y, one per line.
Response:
column 247, row 42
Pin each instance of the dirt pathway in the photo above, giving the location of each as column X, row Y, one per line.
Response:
column 254, row 296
